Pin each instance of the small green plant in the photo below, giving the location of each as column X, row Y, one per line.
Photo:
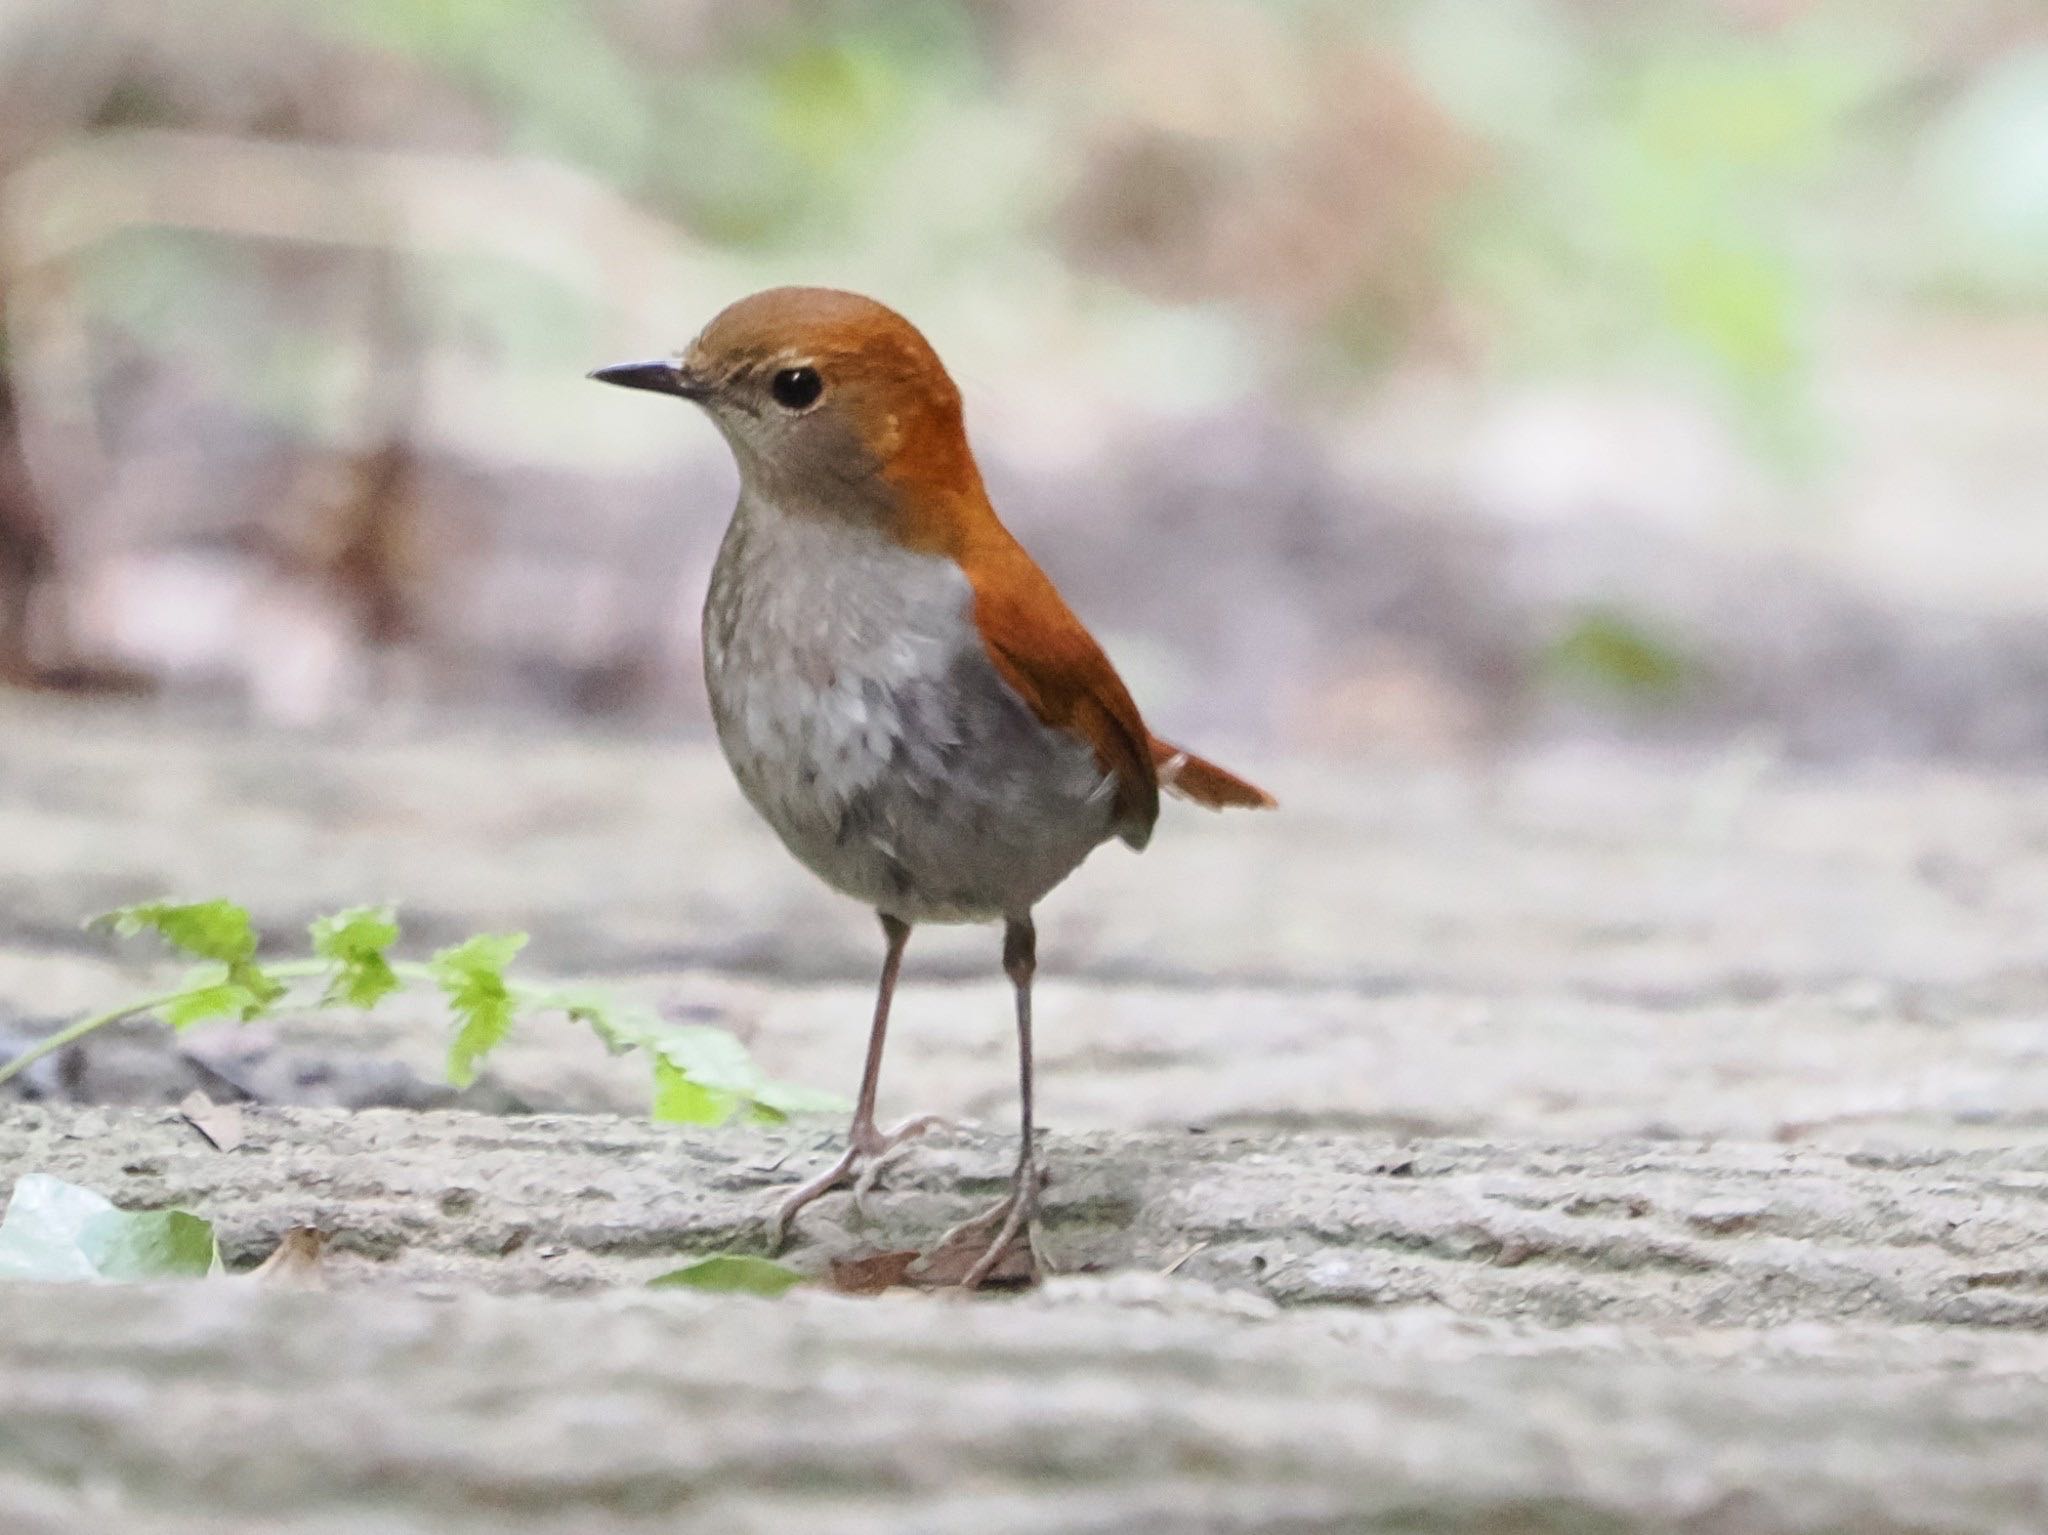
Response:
column 702, row 1075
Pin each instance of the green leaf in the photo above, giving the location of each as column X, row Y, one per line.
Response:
column 57, row 1230
column 777, row 1101
column 679, row 1099
column 213, row 999
column 216, row 930
column 212, row 930
column 153, row 1244
column 472, row 977
column 702, row 1075
column 731, row 1273
column 710, row 1056
column 357, row 940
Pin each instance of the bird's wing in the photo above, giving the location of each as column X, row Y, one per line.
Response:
column 1043, row 651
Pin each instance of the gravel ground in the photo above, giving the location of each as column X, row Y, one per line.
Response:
column 1577, row 1142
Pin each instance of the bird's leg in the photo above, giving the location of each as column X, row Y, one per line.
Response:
column 1017, row 1211
column 867, row 1146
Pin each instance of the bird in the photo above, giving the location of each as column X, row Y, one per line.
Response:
column 899, row 689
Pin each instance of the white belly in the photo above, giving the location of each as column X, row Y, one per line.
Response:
column 866, row 723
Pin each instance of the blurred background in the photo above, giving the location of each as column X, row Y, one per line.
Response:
column 1397, row 379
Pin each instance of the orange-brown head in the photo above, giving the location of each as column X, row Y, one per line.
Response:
column 833, row 404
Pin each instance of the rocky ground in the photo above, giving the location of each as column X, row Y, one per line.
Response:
column 1574, row 1143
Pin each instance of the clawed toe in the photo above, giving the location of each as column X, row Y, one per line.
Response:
column 868, row 1155
column 881, row 1152
column 1015, row 1214
column 803, row 1194
column 870, row 1175
column 916, row 1125
column 874, row 1144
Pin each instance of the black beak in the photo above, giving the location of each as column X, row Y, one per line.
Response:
column 661, row 377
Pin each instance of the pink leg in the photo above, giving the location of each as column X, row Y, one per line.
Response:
column 1017, row 1211
column 867, row 1147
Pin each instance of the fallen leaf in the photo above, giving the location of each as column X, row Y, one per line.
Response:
column 57, row 1230
column 732, row 1273
column 946, row 1267
column 871, row 1274
column 296, row 1262
column 220, row 1123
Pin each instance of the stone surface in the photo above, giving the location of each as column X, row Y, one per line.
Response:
column 1603, row 1336
column 1580, row 1142
column 1090, row 1407
column 1563, row 946
column 1611, row 1231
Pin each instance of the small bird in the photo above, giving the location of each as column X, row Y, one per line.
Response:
column 899, row 689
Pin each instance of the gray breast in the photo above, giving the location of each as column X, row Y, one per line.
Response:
column 866, row 723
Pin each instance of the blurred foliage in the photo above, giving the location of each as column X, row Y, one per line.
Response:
column 198, row 298
column 1660, row 202
column 1691, row 189
column 779, row 139
column 558, row 85
column 511, row 315
column 762, row 136
column 158, row 284
column 1984, row 178
column 1605, row 650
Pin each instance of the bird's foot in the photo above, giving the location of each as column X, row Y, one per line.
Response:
column 1015, row 1214
column 883, row 1150
column 869, row 1151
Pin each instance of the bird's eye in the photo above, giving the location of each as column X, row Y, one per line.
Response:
column 796, row 388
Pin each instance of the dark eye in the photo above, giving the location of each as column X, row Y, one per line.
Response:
column 796, row 388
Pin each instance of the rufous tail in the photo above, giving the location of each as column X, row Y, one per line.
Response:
column 1183, row 774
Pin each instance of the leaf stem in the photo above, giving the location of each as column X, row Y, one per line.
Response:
column 72, row 1033
column 77, row 1031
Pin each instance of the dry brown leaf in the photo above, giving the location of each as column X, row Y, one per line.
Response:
column 297, row 1262
column 943, row 1269
column 870, row 1274
column 220, row 1123
column 946, row 1267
